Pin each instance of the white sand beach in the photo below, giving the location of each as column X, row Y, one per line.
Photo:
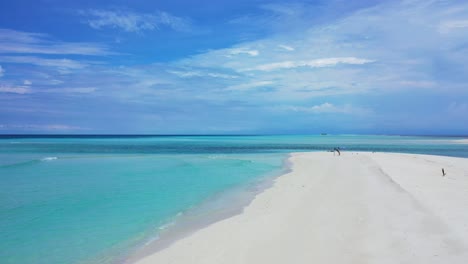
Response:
column 353, row 208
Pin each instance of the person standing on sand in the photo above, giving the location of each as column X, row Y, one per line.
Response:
column 337, row 150
column 443, row 172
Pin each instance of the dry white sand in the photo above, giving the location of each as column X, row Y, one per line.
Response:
column 354, row 208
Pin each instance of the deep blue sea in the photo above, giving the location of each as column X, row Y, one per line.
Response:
column 94, row 199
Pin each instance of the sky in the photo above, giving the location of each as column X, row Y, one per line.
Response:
column 234, row 67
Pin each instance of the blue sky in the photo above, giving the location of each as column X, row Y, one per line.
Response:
column 234, row 67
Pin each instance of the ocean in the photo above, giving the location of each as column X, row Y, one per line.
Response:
column 97, row 199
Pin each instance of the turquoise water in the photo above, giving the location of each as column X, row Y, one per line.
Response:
column 94, row 199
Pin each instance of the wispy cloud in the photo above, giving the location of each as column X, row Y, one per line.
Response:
column 48, row 127
column 249, row 86
column 134, row 22
column 317, row 63
column 447, row 26
column 70, row 90
column 286, row 47
column 15, row 89
column 56, row 63
column 418, row 84
column 348, row 56
column 191, row 73
column 237, row 51
column 27, row 89
column 2, row 71
column 326, row 108
column 346, row 65
column 12, row 41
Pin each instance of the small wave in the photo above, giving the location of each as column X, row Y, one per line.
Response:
column 49, row 158
column 166, row 226
column 151, row 240
column 216, row 156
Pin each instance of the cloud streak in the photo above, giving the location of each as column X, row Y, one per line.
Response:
column 134, row 22
column 448, row 26
column 286, row 47
column 365, row 52
column 249, row 86
column 15, row 90
column 317, row 63
column 191, row 74
column 326, row 108
column 35, row 127
column 12, row 41
column 237, row 51
column 56, row 63
column 27, row 89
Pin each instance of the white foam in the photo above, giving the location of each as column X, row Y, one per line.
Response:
column 167, row 225
column 49, row 158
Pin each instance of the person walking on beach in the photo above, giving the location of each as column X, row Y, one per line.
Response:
column 337, row 150
column 443, row 172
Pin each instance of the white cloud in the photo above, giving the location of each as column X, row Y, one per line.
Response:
column 237, row 51
column 447, row 26
column 317, row 63
column 400, row 38
column 12, row 41
column 15, row 90
column 418, row 84
column 392, row 34
column 190, row 74
column 26, row 89
column 249, row 86
column 326, row 108
column 74, row 90
column 2, row 71
column 286, row 47
column 55, row 82
column 134, row 22
column 51, row 127
column 57, row 63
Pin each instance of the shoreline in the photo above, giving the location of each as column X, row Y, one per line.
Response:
column 281, row 211
column 221, row 206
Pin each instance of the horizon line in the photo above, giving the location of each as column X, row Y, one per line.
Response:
column 220, row 135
